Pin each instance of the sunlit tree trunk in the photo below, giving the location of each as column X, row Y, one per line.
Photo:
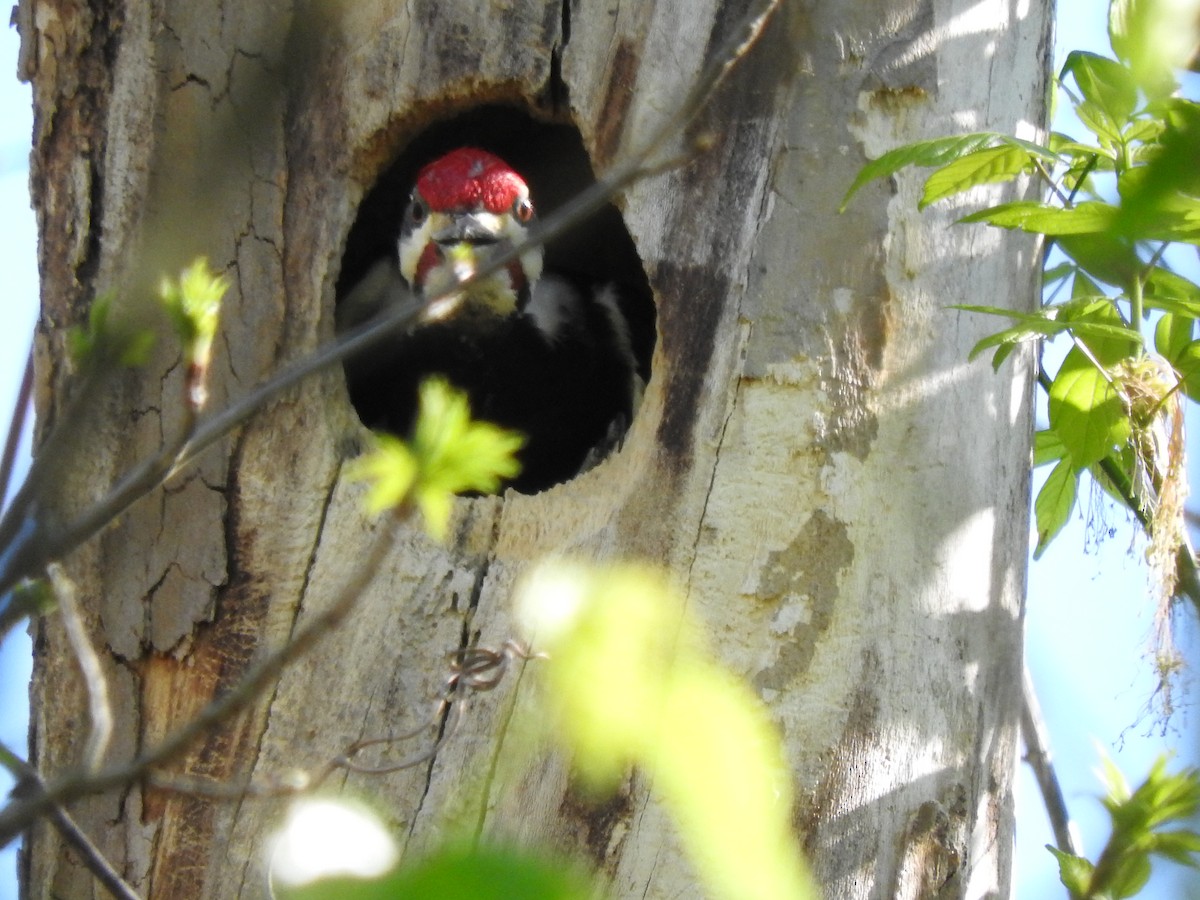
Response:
column 840, row 495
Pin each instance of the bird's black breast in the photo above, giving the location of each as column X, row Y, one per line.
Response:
column 563, row 393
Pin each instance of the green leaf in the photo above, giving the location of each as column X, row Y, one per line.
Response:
column 1172, row 293
column 1126, row 461
column 1033, row 328
column 31, row 597
column 392, row 470
column 108, row 340
column 1047, row 447
column 1172, row 334
column 1103, row 82
column 1083, row 288
column 1181, row 846
column 1055, row 273
column 1129, row 877
column 1074, row 872
column 630, row 683
column 1161, row 214
column 1187, row 367
column 936, row 152
column 484, row 873
column 1144, row 131
column 1044, row 218
column 1149, row 37
column 1103, row 256
column 193, row 302
column 989, row 166
column 1054, row 503
column 1086, row 411
column 133, row 348
column 1159, row 199
column 1005, row 342
column 1106, row 129
column 1091, row 317
column 488, row 873
column 1081, row 154
column 449, row 454
column 1114, row 781
column 1095, row 318
column 1033, row 150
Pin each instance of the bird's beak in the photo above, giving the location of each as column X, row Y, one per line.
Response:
column 463, row 240
column 474, row 229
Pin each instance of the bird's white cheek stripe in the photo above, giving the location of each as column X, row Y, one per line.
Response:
column 411, row 247
column 531, row 261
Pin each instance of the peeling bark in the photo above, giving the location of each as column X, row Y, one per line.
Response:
column 840, row 495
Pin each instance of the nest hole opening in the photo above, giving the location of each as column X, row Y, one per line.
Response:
column 594, row 254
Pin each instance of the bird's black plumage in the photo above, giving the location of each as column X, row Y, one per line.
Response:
column 571, row 394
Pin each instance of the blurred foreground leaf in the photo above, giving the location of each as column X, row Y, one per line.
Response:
column 631, row 684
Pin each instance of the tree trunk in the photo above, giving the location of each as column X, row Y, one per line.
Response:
column 839, row 494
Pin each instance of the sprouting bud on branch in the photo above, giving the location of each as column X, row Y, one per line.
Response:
column 194, row 304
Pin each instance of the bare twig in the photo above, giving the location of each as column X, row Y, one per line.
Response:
column 472, row 669
column 285, row 784
column 16, row 426
column 80, row 782
column 94, row 682
column 96, row 862
column 1037, row 754
column 28, row 780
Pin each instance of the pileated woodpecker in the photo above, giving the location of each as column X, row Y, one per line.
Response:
column 533, row 351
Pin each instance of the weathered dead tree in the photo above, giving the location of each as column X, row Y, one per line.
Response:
column 838, row 492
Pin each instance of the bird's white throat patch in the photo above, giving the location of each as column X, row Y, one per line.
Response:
column 495, row 293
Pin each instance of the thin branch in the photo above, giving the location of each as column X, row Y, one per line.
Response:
column 285, row 784
column 1050, row 182
column 29, row 780
column 80, row 782
column 472, row 670
column 15, row 525
column 94, row 682
column 453, row 710
column 1037, row 754
column 16, row 427
column 95, row 860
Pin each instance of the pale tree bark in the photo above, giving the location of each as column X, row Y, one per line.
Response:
column 840, row 495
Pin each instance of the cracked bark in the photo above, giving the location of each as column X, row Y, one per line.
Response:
column 808, row 407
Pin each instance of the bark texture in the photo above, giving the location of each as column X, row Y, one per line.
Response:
column 839, row 493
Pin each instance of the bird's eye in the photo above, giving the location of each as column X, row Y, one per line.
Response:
column 522, row 209
column 416, row 211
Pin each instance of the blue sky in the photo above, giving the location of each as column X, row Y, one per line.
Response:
column 18, row 311
column 1088, row 623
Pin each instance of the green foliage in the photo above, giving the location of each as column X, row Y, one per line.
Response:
column 193, row 303
column 104, row 341
column 1115, row 198
column 1142, row 823
column 450, row 873
column 629, row 683
column 449, row 454
column 487, row 873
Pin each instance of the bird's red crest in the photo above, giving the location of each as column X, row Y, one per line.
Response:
column 467, row 178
